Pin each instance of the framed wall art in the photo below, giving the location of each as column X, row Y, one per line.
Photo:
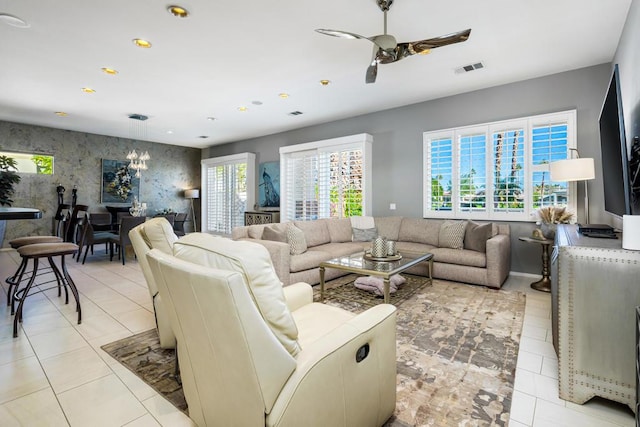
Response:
column 119, row 184
column 269, row 186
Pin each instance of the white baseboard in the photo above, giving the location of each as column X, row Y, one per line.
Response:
column 521, row 274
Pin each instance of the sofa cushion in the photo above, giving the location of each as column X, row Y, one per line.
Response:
column 364, row 234
column 459, row 257
column 419, row 230
column 339, row 229
column 255, row 231
column 314, row 256
column 315, row 232
column 476, row 235
column 271, row 233
column 253, row 262
column 452, row 234
column 389, row 226
column 296, row 239
column 420, row 248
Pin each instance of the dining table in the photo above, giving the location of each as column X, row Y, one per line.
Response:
column 9, row 213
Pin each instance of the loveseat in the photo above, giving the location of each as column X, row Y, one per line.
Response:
column 464, row 251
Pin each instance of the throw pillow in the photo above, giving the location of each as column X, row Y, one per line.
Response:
column 452, row 234
column 476, row 236
column 364, row 234
column 270, row 233
column 296, row 240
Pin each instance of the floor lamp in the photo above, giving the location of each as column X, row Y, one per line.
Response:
column 192, row 194
column 578, row 169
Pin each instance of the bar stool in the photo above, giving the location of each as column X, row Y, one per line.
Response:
column 18, row 243
column 63, row 279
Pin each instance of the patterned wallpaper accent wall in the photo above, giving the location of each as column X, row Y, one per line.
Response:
column 172, row 169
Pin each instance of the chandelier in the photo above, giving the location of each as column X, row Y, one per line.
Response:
column 138, row 161
column 138, row 131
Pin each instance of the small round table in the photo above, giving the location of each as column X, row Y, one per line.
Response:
column 543, row 284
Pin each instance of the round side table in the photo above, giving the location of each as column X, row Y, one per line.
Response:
column 543, row 284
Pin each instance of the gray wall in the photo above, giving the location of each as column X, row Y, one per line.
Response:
column 397, row 140
column 78, row 162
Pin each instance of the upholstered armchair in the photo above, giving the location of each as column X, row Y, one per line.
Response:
column 253, row 353
column 155, row 233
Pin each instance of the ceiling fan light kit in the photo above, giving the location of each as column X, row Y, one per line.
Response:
column 386, row 49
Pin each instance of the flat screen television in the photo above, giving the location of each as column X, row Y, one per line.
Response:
column 613, row 146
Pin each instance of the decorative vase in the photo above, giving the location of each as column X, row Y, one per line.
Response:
column 379, row 247
column 391, row 248
column 548, row 230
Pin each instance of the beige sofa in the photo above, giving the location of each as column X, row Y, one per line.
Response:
column 329, row 238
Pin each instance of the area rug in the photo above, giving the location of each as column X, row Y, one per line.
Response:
column 457, row 348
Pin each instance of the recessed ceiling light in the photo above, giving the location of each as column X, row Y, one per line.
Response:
column 211, row 119
column 178, row 11
column 14, row 21
column 142, row 43
column 283, row 95
column 109, row 71
column 325, row 82
column 88, row 90
column 61, row 113
column 169, row 132
column 243, row 108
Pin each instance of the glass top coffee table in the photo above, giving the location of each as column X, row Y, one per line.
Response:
column 358, row 263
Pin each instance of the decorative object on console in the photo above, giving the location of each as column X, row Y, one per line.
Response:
column 194, row 193
column 137, row 208
column 631, row 232
column 578, row 169
column 548, row 217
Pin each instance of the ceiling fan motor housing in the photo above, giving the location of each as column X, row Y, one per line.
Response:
column 384, row 5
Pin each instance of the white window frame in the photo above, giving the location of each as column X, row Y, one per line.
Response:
column 526, row 123
column 250, row 160
column 359, row 141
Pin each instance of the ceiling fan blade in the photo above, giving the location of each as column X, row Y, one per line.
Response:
column 423, row 45
column 372, row 72
column 340, row 33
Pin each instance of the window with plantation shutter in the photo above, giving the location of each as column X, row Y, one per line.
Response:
column 227, row 191
column 325, row 179
column 498, row 170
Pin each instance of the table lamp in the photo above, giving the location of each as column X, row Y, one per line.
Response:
column 578, row 169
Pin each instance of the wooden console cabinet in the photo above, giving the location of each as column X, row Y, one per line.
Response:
column 595, row 290
column 262, row 217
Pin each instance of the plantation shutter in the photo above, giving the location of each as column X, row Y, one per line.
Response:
column 508, row 170
column 326, row 179
column 549, row 143
column 439, row 164
column 472, row 161
column 227, row 192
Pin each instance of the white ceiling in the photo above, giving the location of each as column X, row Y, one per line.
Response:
column 228, row 54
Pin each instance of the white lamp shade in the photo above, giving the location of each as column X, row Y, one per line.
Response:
column 192, row 194
column 573, row 170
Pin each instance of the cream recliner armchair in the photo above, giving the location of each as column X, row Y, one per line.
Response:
column 155, row 233
column 253, row 353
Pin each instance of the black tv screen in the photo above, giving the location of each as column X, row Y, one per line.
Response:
column 613, row 147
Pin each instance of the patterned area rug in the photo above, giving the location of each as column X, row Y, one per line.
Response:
column 457, row 347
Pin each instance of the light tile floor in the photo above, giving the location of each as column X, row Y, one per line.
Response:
column 55, row 373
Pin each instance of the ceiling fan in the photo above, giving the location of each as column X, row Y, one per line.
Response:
column 387, row 50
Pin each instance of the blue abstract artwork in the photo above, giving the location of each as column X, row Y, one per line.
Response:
column 269, row 185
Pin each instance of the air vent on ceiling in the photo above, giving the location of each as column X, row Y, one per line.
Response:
column 470, row 67
column 295, row 113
